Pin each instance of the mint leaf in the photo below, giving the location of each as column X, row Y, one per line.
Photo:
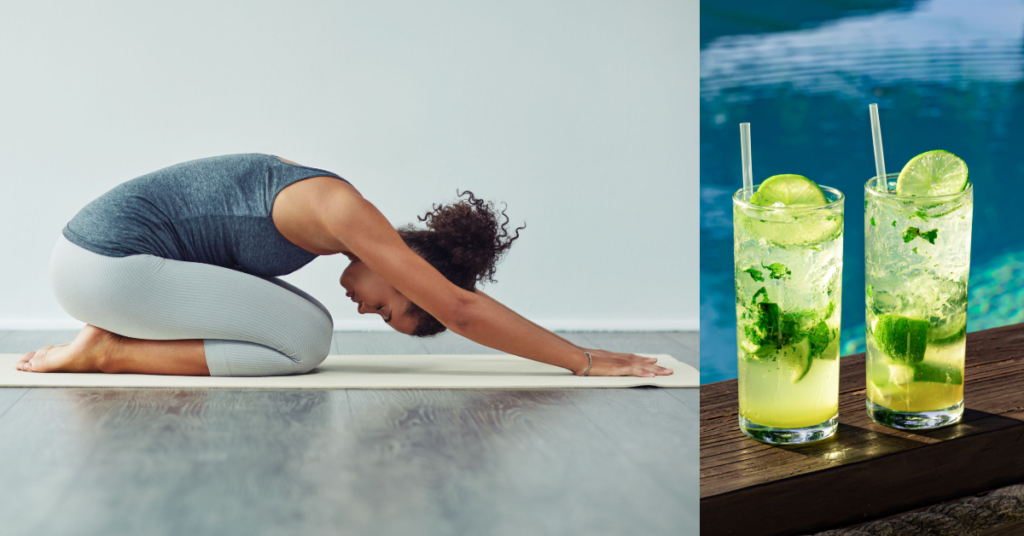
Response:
column 872, row 221
column 820, row 337
column 768, row 329
column 894, row 223
column 914, row 250
column 913, row 232
column 755, row 274
column 869, row 291
column 919, row 214
column 778, row 270
column 764, row 332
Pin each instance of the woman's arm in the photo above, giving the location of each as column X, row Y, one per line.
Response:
column 480, row 292
column 582, row 349
column 364, row 231
column 607, row 363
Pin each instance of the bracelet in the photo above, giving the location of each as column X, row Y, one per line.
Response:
column 588, row 365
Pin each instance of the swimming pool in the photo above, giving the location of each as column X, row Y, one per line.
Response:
column 946, row 74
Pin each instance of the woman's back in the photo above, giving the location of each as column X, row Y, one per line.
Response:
column 213, row 210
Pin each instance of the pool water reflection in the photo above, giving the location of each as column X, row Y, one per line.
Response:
column 946, row 74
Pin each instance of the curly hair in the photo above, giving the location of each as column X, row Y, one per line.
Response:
column 464, row 241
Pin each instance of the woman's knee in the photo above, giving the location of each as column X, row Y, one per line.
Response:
column 313, row 351
column 227, row 357
column 309, row 363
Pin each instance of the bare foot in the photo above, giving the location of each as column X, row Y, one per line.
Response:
column 80, row 355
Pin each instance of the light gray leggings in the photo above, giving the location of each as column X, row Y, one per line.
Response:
column 250, row 325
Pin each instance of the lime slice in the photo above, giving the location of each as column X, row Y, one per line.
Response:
column 796, row 359
column 952, row 331
column 791, row 229
column 797, row 231
column 901, row 338
column 932, row 174
column 928, row 372
column 790, row 190
column 755, row 351
column 832, row 350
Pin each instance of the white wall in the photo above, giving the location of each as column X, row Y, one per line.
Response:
column 581, row 115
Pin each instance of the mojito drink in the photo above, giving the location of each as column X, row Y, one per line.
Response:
column 917, row 261
column 788, row 253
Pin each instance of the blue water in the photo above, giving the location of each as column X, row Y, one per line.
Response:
column 946, row 74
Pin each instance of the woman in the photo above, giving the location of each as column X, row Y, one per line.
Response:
column 174, row 272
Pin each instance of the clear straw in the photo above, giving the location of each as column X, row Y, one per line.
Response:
column 748, row 174
column 882, row 183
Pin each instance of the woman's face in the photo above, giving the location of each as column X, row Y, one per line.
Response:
column 375, row 295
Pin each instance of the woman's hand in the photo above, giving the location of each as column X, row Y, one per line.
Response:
column 616, row 364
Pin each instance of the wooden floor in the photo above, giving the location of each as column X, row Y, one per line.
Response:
column 866, row 471
column 411, row 462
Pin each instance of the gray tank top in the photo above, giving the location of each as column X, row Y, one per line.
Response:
column 212, row 210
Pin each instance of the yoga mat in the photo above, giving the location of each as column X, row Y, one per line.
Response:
column 436, row 371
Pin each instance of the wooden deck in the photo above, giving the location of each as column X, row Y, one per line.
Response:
column 865, row 471
column 410, row 461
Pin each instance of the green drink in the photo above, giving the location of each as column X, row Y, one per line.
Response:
column 917, row 259
column 788, row 252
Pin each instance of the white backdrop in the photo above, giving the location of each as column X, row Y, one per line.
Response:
column 581, row 115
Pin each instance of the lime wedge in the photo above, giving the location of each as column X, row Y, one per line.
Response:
column 902, row 339
column 796, row 359
column 831, row 351
column 926, row 372
column 790, row 190
column 755, row 351
column 932, row 174
column 952, row 331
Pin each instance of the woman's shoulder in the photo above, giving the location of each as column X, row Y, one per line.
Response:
column 287, row 161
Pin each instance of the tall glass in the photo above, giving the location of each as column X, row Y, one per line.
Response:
column 789, row 276
column 917, row 257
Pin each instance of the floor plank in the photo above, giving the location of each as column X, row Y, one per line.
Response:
column 689, row 339
column 666, row 442
column 208, row 462
column 689, row 397
column 47, row 442
column 374, row 343
column 528, row 461
column 15, row 342
column 10, row 397
column 451, row 343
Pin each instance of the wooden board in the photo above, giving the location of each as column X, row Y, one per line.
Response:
column 1008, row 529
column 865, row 471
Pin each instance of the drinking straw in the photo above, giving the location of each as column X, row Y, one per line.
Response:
column 882, row 183
column 748, row 174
